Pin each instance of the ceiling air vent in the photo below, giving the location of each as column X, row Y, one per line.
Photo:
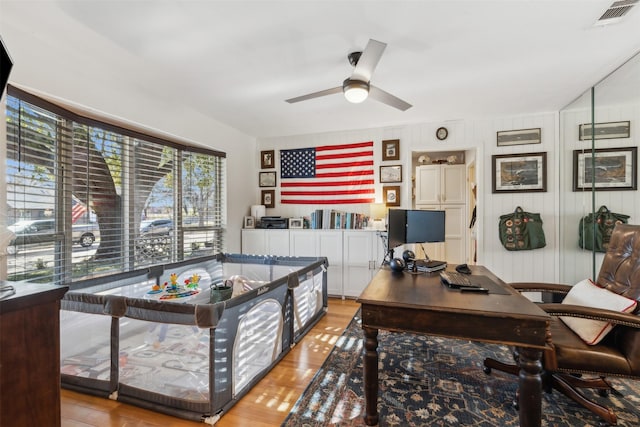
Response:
column 616, row 11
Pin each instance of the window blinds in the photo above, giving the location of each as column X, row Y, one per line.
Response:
column 101, row 189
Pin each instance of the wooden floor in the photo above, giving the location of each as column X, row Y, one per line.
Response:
column 267, row 404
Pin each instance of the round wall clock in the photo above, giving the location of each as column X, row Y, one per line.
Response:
column 442, row 133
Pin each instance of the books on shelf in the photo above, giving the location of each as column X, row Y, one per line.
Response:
column 337, row 220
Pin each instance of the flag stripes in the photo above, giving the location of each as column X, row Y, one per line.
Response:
column 77, row 210
column 329, row 174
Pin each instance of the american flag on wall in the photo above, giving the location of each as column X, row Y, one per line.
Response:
column 77, row 210
column 330, row 174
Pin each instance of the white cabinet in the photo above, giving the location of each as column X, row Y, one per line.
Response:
column 262, row 241
column 363, row 254
column 439, row 184
column 443, row 187
column 353, row 255
column 326, row 243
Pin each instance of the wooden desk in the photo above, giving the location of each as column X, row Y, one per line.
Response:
column 30, row 355
column 404, row 302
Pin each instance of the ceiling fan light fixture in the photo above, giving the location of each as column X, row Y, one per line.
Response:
column 356, row 91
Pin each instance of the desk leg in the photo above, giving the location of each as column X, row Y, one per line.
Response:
column 370, row 376
column 530, row 400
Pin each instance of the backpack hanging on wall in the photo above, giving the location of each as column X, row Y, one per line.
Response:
column 605, row 221
column 521, row 231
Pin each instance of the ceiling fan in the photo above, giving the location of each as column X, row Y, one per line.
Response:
column 358, row 87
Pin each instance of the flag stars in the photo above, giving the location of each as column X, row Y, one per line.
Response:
column 298, row 163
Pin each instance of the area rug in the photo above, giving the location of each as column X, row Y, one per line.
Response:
column 433, row 381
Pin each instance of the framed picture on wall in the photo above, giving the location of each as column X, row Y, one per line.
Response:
column 609, row 130
column 391, row 149
column 519, row 173
column 607, row 169
column 267, row 159
column 518, row 137
column 267, row 179
column 391, row 195
column 268, row 198
column 391, row 173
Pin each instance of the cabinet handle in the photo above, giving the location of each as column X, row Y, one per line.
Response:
column 372, row 264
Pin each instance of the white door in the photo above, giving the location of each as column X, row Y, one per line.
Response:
column 455, row 229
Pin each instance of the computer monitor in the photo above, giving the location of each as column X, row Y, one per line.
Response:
column 396, row 227
column 425, row 226
column 5, row 67
column 415, row 226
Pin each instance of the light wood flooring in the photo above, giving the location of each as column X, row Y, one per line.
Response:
column 267, row 404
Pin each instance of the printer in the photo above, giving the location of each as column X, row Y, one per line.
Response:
column 273, row 222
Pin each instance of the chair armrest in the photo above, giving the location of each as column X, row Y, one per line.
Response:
column 556, row 288
column 615, row 317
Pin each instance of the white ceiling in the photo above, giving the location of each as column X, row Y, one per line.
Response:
column 237, row 61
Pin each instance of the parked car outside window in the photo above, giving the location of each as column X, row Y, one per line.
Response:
column 43, row 230
column 156, row 226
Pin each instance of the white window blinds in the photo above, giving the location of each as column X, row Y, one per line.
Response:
column 88, row 198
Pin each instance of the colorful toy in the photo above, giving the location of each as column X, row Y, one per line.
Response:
column 171, row 290
column 174, row 281
column 192, row 282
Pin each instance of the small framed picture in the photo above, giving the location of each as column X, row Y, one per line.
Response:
column 295, row 223
column 609, row 130
column 249, row 222
column 391, row 149
column 267, row 160
column 607, row 170
column 391, row 173
column 267, row 179
column 268, row 198
column 519, row 173
column 391, row 195
column 518, row 137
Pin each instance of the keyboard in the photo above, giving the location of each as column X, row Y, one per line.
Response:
column 456, row 280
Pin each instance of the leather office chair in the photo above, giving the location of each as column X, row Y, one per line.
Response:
column 568, row 357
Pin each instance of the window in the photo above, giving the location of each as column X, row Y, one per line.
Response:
column 112, row 199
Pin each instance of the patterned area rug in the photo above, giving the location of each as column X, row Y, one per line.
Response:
column 432, row 381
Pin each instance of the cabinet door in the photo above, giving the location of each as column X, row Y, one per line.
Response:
column 453, row 184
column 326, row 243
column 428, row 185
column 277, row 242
column 303, row 243
column 359, row 262
column 253, row 242
column 330, row 246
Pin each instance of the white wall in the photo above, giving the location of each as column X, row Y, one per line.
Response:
column 479, row 135
column 73, row 78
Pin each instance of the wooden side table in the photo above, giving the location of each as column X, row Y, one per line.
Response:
column 30, row 354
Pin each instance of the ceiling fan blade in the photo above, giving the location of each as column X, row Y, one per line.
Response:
column 387, row 98
column 368, row 60
column 315, row 95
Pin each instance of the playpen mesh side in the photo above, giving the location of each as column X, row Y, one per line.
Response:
column 166, row 355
